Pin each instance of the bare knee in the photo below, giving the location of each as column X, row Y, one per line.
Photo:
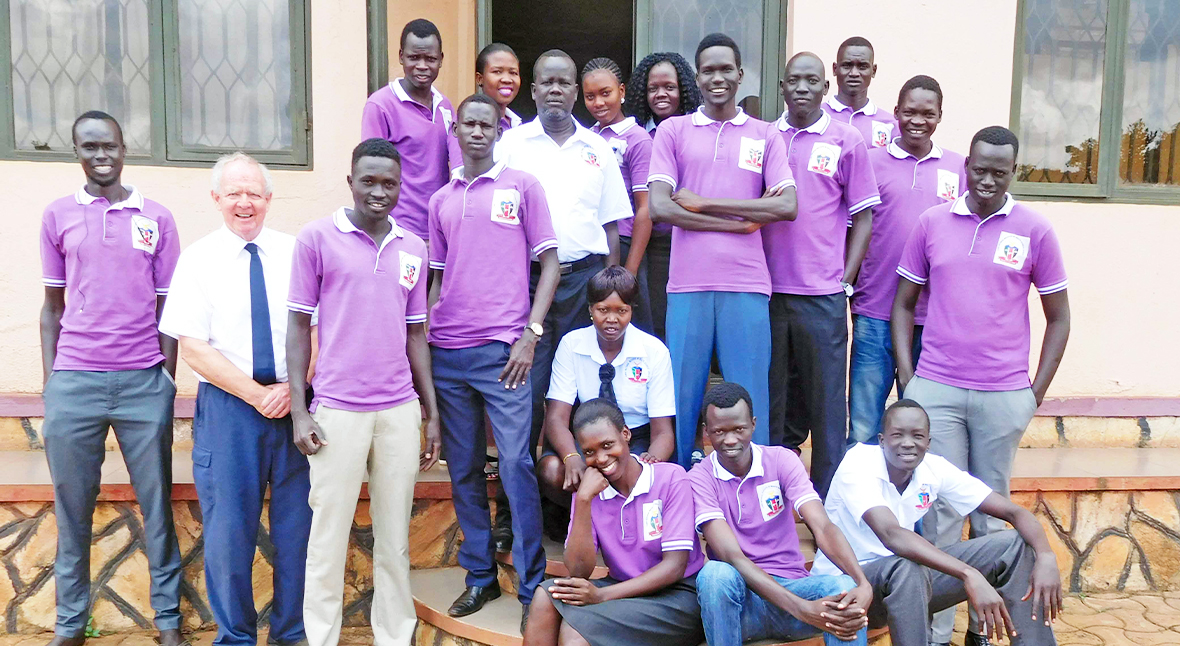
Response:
column 551, row 476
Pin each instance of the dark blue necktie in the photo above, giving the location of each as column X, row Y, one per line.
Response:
column 606, row 387
column 264, row 349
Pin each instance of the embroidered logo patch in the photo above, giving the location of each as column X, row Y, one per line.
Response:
column 924, row 498
column 620, row 148
column 145, row 233
column 590, row 157
column 635, row 370
column 824, row 158
column 653, row 520
column 881, row 133
column 770, row 500
column 948, row 185
column 411, row 266
column 505, row 204
column 1011, row 250
column 750, row 154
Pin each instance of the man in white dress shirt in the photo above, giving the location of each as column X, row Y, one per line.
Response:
column 228, row 310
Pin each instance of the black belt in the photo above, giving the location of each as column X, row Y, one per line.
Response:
column 577, row 265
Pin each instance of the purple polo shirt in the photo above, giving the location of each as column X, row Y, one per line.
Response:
column 482, row 235
column 833, row 180
column 113, row 261
column 422, row 137
column 736, row 159
column 757, row 507
column 657, row 517
column 366, row 297
column 632, row 146
column 978, row 273
column 876, row 126
column 908, row 186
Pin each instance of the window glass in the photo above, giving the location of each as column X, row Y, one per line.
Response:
column 1150, row 148
column 679, row 25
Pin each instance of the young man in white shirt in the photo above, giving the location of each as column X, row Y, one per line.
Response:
column 877, row 496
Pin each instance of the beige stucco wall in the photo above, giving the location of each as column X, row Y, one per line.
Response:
column 1121, row 258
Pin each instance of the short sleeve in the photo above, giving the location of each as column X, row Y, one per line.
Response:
column 859, row 491
column 1048, row 270
column 638, row 160
column 793, row 478
column 961, row 490
column 860, row 183
column 776, row 168
column 438, row 239
column 538, row 223
column 306, row 276
column 187, row 311
column 662, row 166
column 680, row 530
column 915, row 264
column 704, row 494
column 53, row 255
column 416, row 301
column 374, row 122
column 661, row 391
column 167, row 254
column 614, row 202
column 563, row 381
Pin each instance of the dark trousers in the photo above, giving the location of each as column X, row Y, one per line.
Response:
column 906, row 593
column 466, row 382
column 659, row 254
column 237, row 453
column 79, row 408
column 808, row 378
column 641, row 311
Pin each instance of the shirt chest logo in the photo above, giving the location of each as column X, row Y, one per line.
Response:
column 411, row 267
column 145, row 233
column 750, row 154
column 635, row 370
column 824, row 158
column 770, row 500
column 881, row 133
column 1011, row 250
column 925, row 499
column 505, row 206
column 590, row 157
column 653, row 520
column 620, row 148
column 948, row 185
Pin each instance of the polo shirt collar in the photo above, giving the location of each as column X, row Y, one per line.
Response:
column 756, row 470
column 340, row 219
column 436, row 97
column 133, row 201
column 492, row 173
column 960, row 206
column 234, row 243
column 642, row 485
column 899, row 153
column 622, row 126
column 534, row 130
column 513, row 118
column 819, row 127
column 632, row 346
column 699, row 118
column 870, row 108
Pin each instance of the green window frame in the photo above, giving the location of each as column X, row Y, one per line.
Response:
column 1107, row 187
column 166, row 145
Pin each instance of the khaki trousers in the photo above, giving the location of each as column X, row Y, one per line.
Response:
column 385, row 443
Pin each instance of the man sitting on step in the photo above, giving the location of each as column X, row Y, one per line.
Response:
column 880, row 492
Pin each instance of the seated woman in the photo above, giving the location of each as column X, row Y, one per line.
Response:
column 614, row 360
column 641, row 517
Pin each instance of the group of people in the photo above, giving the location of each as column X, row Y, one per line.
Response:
column 570, row 289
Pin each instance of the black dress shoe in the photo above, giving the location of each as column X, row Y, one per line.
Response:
column 502, row 538
column 975, row 639
column 473, row 599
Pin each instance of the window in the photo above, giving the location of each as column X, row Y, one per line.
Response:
column 1096, row 99
column 189, row 80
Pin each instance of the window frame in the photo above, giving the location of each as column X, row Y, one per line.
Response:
column 1107, row 188
column 166, row 149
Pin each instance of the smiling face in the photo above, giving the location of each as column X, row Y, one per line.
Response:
column 605, row 447
column 718, row 76
column 663, row 90
column 855, row 70
column 477, row 128
column 500, row 78
column 421, row 59
column 905, row 438
column 918, row 115
column 611, row 318
column 100, row 149
column 729, row 431
column 804, row 87
column 375, row 182
column 555, row 89
column 989, row 173
column 604, row 95
column 242, row 199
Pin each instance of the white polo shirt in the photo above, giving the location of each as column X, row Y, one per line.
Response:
column 643, row 374
column 210, row 295
column 862, row 482
column 582, row 183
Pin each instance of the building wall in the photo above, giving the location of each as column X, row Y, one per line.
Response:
column 1120, row 257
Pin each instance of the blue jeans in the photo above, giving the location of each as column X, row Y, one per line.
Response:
column 873, row 373
column 733, row 614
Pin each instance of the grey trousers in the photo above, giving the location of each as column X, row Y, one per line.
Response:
column 905, row 593
column 79, row 408
column 979, row 432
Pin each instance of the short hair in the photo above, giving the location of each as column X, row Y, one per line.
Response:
column 478, row 97
column 422, row 28
column 613, row 280
column 481, row 59
column 921, row 82
column 603, row 63
column 996, row 136
column 597, row 409
column 902, row 404
column 554, row 53
column 726, row 395
column 101, row 116
column 854, row 41
column 718, row 39
column 636, row 102
column 226, row 160
column 376, row 147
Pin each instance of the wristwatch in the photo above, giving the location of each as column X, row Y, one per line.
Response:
column 536, row 328
column 848, row 289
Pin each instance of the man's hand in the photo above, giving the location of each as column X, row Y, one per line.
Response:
column 593, row 483
column 903, row 379
column 995, row 623
column 648, row 458
column 689, row 201
column 520, row 361
column 574, row 468
column 576, row 592
column 275, row 401
column 433, row 445
column 1039, row 393
column 843, row 624
column 309, row 437
column 1045, row 588
column 856, row 599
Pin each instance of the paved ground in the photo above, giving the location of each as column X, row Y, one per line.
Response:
column 1092, row 620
